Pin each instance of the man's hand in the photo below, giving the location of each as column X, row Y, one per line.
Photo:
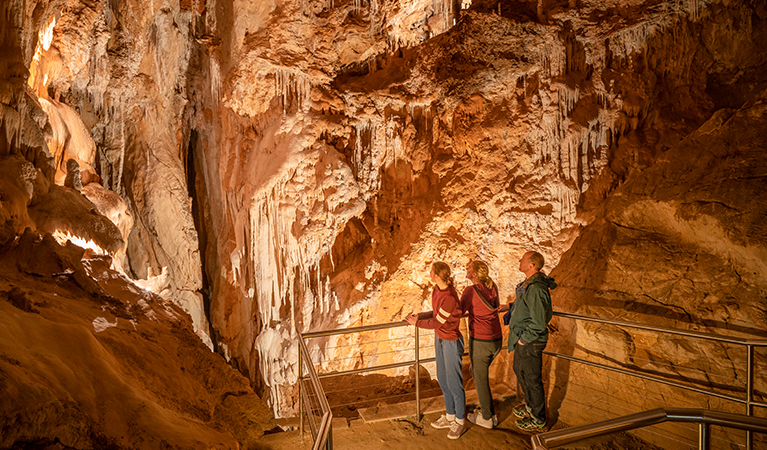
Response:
column 411, row 319
column 520, row 342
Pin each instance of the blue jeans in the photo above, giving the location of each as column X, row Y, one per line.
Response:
column 449, row 355
column 528, row 365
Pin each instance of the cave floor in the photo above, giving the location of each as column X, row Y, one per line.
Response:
column 409, row 434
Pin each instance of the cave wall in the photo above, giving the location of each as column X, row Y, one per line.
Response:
column 88, row 359
column 500, row 134
column 296, row 165
column 680, row 245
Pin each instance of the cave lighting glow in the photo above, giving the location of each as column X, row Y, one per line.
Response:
column 46, row 34
column 44, row 40
column 63, row 236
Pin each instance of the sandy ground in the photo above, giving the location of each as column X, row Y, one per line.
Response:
column 409, row 434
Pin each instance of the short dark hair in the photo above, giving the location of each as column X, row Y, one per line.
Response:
column 537, row 260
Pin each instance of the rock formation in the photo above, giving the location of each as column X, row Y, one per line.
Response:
column 282, row 166
column 681, row 245
column 90, row 360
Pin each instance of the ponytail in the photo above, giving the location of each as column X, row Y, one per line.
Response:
column 442, row 270
column 482, row 271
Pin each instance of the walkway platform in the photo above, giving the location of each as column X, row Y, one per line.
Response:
column 428, row 405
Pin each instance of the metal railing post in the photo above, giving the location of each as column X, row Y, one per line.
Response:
column 750, row 423
column 300, row 387
column 707, row 417
column 417, row 376
column 750, row 394
column 329, row 445
column 704, row 437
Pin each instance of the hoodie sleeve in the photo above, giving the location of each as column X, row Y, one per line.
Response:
column 441, row 317
column 536, row 300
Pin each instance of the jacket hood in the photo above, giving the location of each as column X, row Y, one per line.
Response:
column 491, row 295
column 541, row 278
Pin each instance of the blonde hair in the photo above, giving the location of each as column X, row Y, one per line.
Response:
column 442, row 270
column 482, row 270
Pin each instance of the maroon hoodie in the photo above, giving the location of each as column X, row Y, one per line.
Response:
column 447, row 314
column 482, row 304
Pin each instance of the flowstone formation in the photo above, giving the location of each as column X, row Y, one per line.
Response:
column 284, row 166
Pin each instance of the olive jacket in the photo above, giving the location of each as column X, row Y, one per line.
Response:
column 531, row 311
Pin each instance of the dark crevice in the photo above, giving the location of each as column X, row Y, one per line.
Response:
column 197, row 192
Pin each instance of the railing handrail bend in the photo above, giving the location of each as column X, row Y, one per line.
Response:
column 324, row 436
column 556, row 438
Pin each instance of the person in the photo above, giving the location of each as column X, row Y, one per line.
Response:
column 481, row 301
column 448, row 348
column 528, row 334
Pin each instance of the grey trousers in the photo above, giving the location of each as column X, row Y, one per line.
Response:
column 482, row 353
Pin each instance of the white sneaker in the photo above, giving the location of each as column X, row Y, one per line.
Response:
column 477, row 419
column 456, row 430
column 442, row 423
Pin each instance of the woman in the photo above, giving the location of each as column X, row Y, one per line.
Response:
column 448, row 348
column 485, row 336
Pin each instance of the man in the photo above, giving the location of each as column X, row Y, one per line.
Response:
column 528, row 334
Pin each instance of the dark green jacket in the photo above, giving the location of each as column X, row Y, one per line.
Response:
column 532, row 311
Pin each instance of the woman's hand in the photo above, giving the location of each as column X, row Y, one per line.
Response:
column 411, row 319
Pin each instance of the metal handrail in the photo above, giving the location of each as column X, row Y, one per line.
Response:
column 749, row 343
column 667, row 330
column 324, row 433
column 704, row 417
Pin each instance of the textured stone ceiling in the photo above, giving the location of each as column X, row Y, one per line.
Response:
column 275, row 166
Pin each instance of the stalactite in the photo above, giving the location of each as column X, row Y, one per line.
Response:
column 567, row 99
column 362, row 161
column 447, row 6
column 119, row 177
column 286, row 267
column 215, row 79
column 211, row 25
column 632, row 40
column 694, row 9
column 374, row 25
column 553, row 59
column 293, row 87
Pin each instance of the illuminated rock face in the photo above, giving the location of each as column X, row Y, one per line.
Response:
column 296, row 165
column 680, row 245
